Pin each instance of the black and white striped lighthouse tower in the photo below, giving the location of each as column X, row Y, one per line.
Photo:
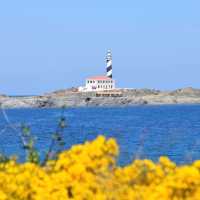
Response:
column 109, row 64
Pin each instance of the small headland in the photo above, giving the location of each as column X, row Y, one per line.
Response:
column 118, row 97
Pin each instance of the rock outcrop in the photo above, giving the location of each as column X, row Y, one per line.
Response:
column 128, row 97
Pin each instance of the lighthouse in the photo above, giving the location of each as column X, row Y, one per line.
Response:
column 102, row 82
column 109, row 64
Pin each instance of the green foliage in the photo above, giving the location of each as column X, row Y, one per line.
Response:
column 33, row 156
column 57, row 141
column 28, row 143
column 3, row 158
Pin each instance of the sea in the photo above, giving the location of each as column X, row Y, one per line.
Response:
column 142, row 132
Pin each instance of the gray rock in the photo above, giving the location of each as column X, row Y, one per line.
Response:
column 73, row 98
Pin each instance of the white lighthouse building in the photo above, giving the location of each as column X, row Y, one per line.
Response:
column 101, row 83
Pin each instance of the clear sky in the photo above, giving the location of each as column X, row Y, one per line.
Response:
column 47, row 45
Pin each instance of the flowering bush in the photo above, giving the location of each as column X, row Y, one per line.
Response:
column 90, row 171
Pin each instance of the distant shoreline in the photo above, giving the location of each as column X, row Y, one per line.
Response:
column 119, row 97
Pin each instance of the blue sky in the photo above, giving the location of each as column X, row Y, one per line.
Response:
column 47, row 45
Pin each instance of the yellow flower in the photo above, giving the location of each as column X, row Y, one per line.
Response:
column 89, row 171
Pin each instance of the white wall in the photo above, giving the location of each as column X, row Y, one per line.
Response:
column 99, row 85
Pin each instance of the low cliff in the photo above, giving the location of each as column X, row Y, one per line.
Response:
column 127, row 97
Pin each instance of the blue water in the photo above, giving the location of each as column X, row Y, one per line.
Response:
column 141, row 131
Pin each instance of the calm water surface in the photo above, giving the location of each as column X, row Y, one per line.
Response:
column 142, row 131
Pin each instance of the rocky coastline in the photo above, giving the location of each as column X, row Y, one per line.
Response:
column 127, row 97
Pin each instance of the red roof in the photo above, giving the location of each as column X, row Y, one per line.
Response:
column 99, row 78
